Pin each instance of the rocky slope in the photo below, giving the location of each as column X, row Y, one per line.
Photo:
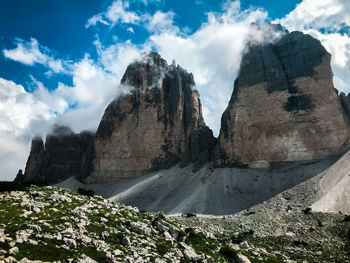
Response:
column 55, row 225
column 220, row 191
column 154, row 126
column 284, row 107
column 64, row 154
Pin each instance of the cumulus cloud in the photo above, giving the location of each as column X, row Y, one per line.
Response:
column 160, row 21
column 18, row 111
column 95, row 84
column 318, row 14
column 30, row 53
column 18, row 108
column 116, row 13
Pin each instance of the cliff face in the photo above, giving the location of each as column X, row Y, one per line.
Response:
column 64, row 155
column 151, row 127
column 283, row 107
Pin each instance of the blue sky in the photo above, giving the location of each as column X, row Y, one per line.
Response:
column 60, row 25
column 61, row 61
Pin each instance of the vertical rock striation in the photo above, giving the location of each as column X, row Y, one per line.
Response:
column 151, row 127
column 65, row 154
column 283, row 107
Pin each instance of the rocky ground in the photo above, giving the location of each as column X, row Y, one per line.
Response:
column 56, row 225
column 276, row 236
column 220, row 191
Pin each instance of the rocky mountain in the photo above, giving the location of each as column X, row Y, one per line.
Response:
column 284, row 111
column 64, row 155
column 153, row 127
column 283, row 107
column 156, row 124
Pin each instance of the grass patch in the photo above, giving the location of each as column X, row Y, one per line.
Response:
column 93, row 253
column 43, row 252
column 163, row 246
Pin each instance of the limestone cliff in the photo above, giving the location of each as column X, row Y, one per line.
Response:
column 65, row 154
column 283, row 107
column 151, row 127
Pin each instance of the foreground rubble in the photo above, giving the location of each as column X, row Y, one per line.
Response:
column 56, row 225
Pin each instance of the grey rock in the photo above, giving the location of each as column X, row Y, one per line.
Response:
column 13, row 250
column 140, row 228
column 242, row 259
column 70, row 243
column 244, row 245
column 126, row 241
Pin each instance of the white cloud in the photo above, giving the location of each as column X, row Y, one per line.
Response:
column 92, row 21
column 148, row 2
column 18, row 108
column 318, row 14
column 30, row 53
column 330, row 16
column 19, row 111
column 80, row 106
column 160, row 21
column 13, row 154
column 116, row 13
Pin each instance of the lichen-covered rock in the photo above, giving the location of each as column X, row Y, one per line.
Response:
column 283, row 107
column 151, row 127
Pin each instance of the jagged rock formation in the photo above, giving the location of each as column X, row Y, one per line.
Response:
column 153, row 126
column 345, row 102
column 65, row 154
column 283, row 107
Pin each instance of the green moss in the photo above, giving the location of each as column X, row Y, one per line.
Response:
column 45, row 252
column 93, row 253
column 95, row 228
column 163, row 246
column 228, row 253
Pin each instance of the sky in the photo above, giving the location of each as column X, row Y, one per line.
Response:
column 61, row 61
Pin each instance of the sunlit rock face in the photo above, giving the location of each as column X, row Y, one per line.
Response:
column 283, row 107
column 150, row 128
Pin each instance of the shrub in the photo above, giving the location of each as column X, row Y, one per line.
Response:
column 229, row 253
column 6, row 186
column 346, row 218
column 87, row 192
column 11, row 186
column 307, row 211
column 190, row 215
